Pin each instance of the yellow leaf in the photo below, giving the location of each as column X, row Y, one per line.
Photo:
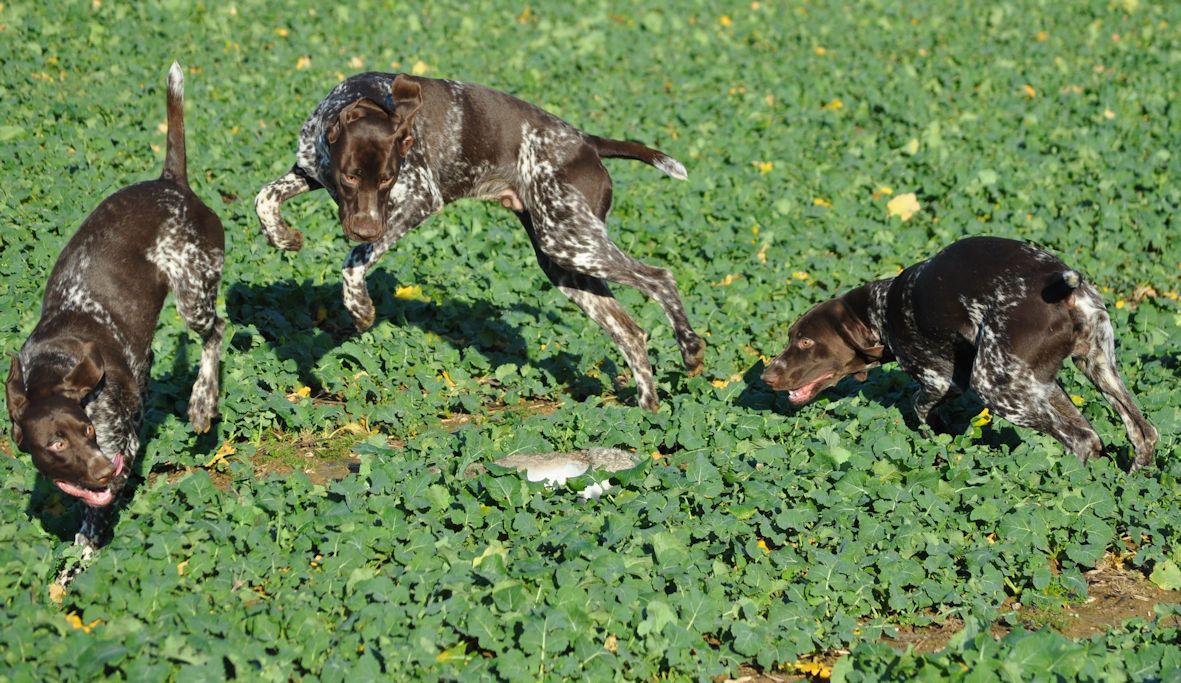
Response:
column 1077, row 400
column 821, row 201
column 725, row 281
column 447, row 378
column 301, row 392
column 904, row 206
column 764, row 166
column 1028, row 90
column 834, row 105
column 356, row 63
column 883, row 191
column 820, row 52
column 981, row 419
column 719, row 383
column 410, row 293
column 56, row 593
column 611, row 644
column 1042, row 36
column 303, row 62
column 75, row 621
column 454, row 654
column 420, row 67
column 180, row 568
column 763, row 545
column 725, row 20
column 225, row 450
column 800, row 275
column 762, row 255
column 1120, row 303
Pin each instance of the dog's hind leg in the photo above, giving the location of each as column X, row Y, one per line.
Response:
column 195, row 288
column 595, row 299
column 1010, row 386
column 568, row 216
column 1095, row 357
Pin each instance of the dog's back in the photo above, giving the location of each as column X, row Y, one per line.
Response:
column 954, row 290
column 111, row 278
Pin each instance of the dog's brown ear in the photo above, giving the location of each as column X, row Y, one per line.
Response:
column 352, row 112
column 407, row 96
column 18, row 399
column 86, row 374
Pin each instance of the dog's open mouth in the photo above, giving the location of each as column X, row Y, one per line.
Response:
column 93, row 497
column 806, row 393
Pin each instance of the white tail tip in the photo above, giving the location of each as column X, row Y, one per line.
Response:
column 1072, row 279
column 672, row 167
column 176, row 80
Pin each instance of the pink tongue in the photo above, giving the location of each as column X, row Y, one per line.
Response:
column 93, row 498
column 806, row 392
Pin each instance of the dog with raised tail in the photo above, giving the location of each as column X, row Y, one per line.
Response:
column 75, row 390
column 393, row 149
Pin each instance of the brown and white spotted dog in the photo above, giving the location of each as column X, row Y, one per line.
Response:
column 75, row 390
column 995, row 315
column 394, row 149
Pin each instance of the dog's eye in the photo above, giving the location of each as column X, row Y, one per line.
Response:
column 351, row 179
column 806, row 343
column 89, row 431
column 385, row 182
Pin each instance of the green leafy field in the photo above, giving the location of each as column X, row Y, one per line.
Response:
column 758, row 535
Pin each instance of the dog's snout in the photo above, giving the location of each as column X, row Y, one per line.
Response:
column 772, row 373
column 365, row 228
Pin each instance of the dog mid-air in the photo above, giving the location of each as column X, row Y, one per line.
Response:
column 995, row 315
column 394, row 149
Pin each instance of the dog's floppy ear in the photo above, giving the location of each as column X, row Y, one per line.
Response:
column 14, row 391
column 86, row 374
column 352, row 112
column 407, row 97
column 862, row 340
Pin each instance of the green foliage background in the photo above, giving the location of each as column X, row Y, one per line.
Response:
column 762, row 534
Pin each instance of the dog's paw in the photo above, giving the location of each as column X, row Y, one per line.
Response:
column 201, row 415
column 693, row 353
column 649, row 403
column 364, row 320
column 288, row 239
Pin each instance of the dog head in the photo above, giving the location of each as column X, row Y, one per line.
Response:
column 828, row 343
column 49, row 423
column 367, row 144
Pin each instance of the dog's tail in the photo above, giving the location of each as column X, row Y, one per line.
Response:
column 620, row 149
column 1062, row 286
column 175, row 164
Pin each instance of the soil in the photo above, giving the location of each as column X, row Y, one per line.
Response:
column 1115, row 594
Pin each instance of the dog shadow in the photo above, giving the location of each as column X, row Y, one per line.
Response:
column 61, row 515
column 303, row 322
column 893, row 389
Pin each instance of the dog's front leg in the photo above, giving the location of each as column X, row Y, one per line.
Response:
column 408, row 210
column 271, row 197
